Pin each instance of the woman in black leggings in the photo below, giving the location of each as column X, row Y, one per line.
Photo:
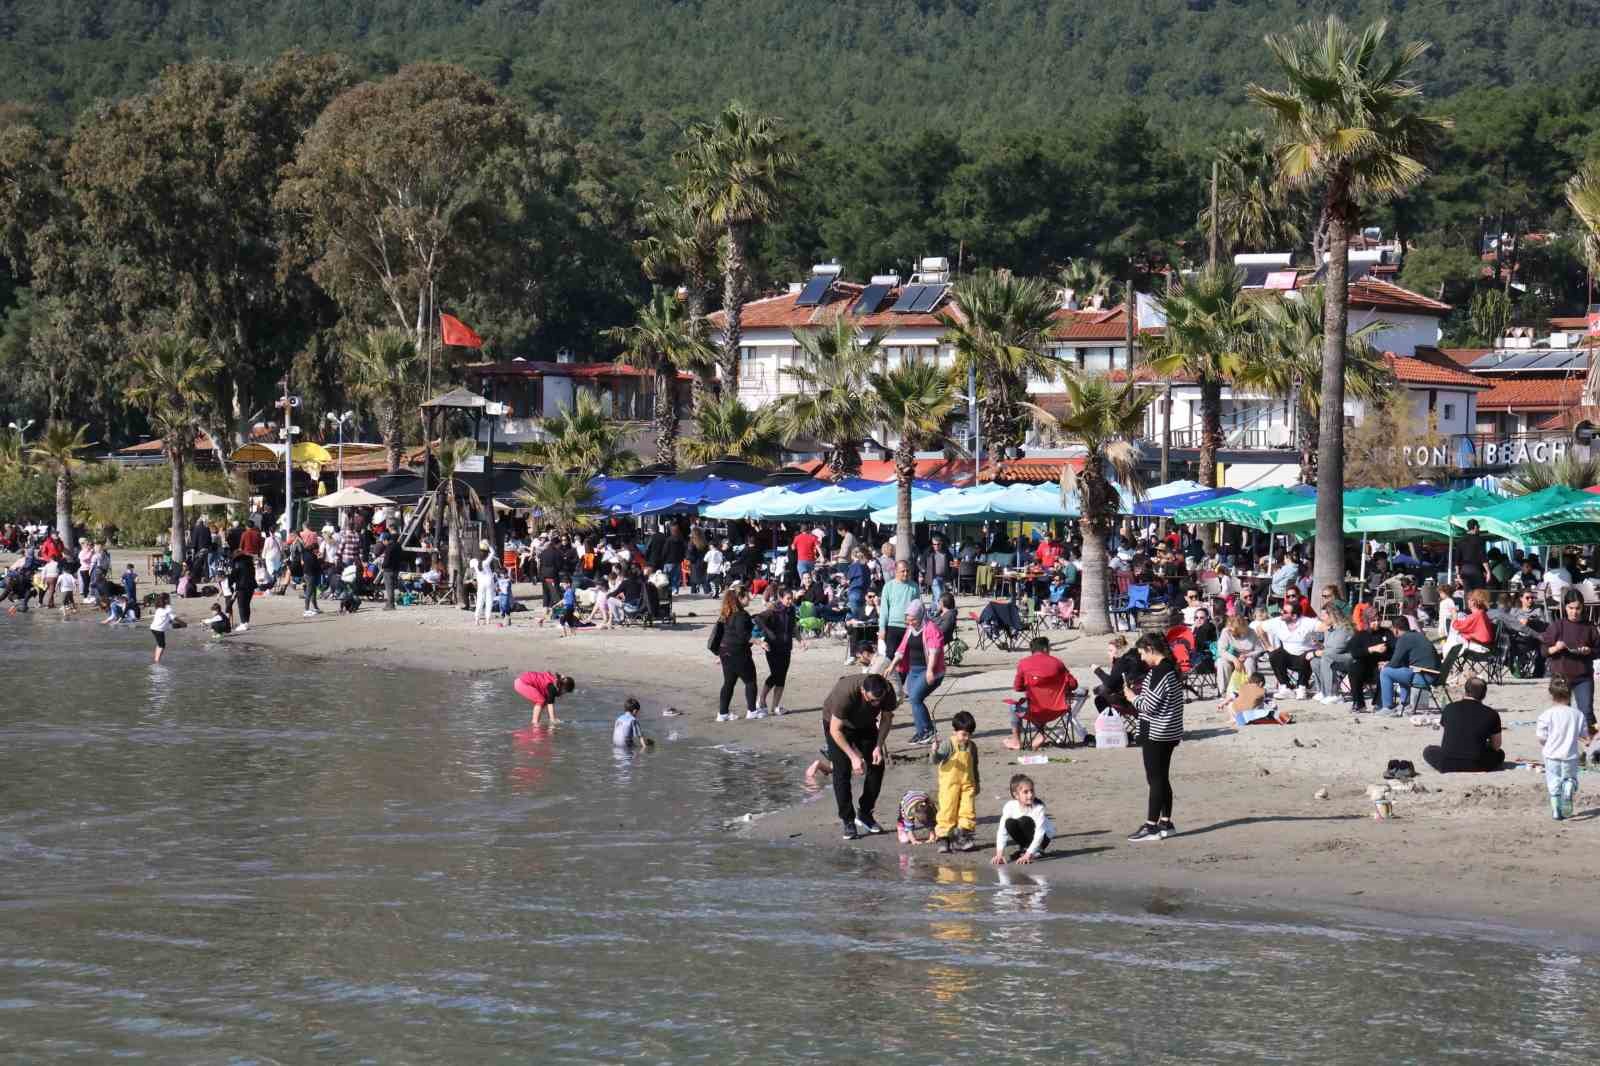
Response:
column 778, row 623
column 732, row 639
column 1160, row 707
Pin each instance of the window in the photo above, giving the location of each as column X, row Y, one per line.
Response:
column 1449, row 412
column 1097, row 359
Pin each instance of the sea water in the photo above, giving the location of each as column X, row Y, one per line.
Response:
column 241, row 857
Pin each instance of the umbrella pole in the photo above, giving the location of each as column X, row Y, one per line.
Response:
column 1449, row 558
column 1361, row 589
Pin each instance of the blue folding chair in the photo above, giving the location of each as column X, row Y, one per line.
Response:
column 1138, row 599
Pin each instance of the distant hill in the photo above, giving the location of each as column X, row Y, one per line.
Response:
column 863, row 69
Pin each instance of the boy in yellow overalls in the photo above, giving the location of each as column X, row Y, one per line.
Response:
column 957, row 760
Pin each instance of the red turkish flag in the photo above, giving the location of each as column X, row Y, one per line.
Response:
column 457, row 334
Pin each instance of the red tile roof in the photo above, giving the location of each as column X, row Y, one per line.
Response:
column 527, row 368
column 1411, row 370
column 1569, row 418
column 1462, row 357
column 780, row 312
column 1031, row 471
column 1370, row 293
column 1531, row 394
column 951, row 470
column 1565, row 322
column 1107, row 324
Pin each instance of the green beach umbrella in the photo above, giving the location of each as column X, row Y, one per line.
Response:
column 1249, row 509
column 1408, row 517
column 1515, row 519
column 1299, row 519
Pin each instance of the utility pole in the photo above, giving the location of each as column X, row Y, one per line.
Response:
column 1166, row 434
column 972, row 417
column 288, row 459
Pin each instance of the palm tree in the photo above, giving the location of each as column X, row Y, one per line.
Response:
column 1209, row 327
column 57, row 453
column 1006, row 323
column 1086, row 279
column 917, row 400
column 1252, row 206
column 735, row 168
column 173, row 382
column 384, row 373
column 1345, row 123
column 562, row 500
column 1285, row 362
column 834, row 404
column 683, row 244
column 581, row 440
column 662, row 342
column 1583, row 196
column 13, row 452
column 1107, row 420
column 1568, row 472
column 727, row 429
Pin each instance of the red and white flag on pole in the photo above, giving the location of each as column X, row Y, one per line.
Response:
column 457, row 334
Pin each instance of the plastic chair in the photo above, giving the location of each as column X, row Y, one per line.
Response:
column 806, row 619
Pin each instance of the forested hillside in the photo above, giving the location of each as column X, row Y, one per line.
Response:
column 857, row 68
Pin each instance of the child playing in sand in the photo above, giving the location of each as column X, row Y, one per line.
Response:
column 1024, row 823
column 162, row 623
column 957, row 760
column 625, row 731
column 1562, row 729
column 568, row 611
column 541, row 688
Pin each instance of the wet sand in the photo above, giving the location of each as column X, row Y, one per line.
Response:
column 1476, row 847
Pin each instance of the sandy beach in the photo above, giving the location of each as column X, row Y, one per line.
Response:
column 1477, row 847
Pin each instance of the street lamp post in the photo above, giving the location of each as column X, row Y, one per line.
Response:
column 340, row 420
column 22, row 429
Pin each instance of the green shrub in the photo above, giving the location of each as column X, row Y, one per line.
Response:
column 27, row 498
column 115, row 507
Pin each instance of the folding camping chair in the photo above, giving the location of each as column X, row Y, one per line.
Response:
column 1426, row 685
column 1128, row 608
column 1057, row 727
column 1199, row 674
column 999, row 625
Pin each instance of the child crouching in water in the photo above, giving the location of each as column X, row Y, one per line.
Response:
column 1024, row 824
column 1562, row 729
column 625, row 732
column 957, row 760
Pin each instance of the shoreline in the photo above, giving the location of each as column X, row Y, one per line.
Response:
column 1469, row 849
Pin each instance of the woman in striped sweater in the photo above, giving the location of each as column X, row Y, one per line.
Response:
column 1160, row 708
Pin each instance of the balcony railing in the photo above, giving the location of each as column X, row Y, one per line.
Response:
column 1249, row 440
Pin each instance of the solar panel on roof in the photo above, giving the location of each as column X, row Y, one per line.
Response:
column 1487, row 361
column 931, row 294
column 1522, row 362
column 1551, row 361
column 870, row 299
column 815, row 290
column 908, row 296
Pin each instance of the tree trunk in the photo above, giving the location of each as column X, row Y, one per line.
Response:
column 1210, row 430
column 846, row 462
column 1094, row 614
column 905, row 469
column 64, row 510
column 1306, row 437
column 175, row 457
column 733, row 307
column 458, row 566
column 1329, row 568
column 666, row 412
column 704, row 388
column 389, row 423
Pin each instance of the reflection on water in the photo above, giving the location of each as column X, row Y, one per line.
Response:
column 233, row 856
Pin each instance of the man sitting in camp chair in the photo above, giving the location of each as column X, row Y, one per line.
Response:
column 1046, row 706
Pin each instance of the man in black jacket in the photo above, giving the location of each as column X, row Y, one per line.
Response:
column 676, row 550
column 550, row 571
column 390, row 558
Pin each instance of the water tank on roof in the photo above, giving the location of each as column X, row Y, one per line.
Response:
column 826, row 270
column 935, row 263
column 890, row 280
column 564, row 355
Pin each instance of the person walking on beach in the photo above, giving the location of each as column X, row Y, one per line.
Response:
column 1561, row 730
column 856, row 718
column 919, row 660
column 898, row 591
column 1570, row 644
column 242, row 573
column 778, row 624
column 162, row 624
column 732, row 641
column 1160, row 708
